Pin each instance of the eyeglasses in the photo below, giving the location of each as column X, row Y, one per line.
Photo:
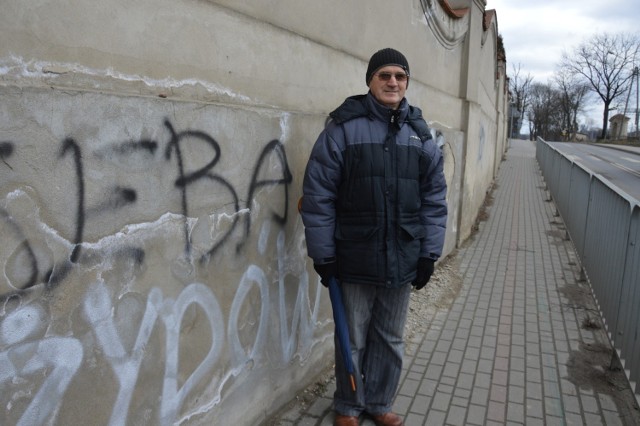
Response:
column 386, row 76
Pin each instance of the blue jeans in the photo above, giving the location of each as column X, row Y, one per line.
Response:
column 376, row 317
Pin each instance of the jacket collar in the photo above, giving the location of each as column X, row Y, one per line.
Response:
column 383, row 112
column 367, row 105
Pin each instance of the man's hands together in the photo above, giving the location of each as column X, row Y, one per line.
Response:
column 425, row 270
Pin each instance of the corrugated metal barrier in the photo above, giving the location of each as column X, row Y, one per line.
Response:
column 604, row 225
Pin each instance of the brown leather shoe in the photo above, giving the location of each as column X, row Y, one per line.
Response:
column 341, row 420
column 387, row 419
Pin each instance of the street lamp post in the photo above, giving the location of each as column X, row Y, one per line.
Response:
column 635, row 73
column 634, row 77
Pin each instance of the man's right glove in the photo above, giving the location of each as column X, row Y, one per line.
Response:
column 326, row 272
column 425, row 270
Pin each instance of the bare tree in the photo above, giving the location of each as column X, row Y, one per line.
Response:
column 605, row 62
column 519, row 89
column 572, row 96
column 544, row 113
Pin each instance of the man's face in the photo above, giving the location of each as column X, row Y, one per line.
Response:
column 388, row 85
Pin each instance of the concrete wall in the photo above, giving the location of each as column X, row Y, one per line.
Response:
column 153, row 262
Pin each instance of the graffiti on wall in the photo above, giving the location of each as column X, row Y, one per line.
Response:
column 41, row 362
column 481, row 144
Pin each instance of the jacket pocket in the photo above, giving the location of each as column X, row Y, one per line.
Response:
column 410, row 240
column 354, row 232
column 360, row 251
column 413, row 231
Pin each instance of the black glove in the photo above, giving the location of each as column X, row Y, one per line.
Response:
column 425, row 270
column 326, row 272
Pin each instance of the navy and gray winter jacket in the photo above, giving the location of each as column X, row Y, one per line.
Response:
column 374, row 193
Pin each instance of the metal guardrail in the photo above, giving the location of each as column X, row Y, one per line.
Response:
column 604, row 225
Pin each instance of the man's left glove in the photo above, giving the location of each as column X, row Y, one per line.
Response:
column 425, row 270
column 326, row 271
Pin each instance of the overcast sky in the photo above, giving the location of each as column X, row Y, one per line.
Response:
column 536, row 32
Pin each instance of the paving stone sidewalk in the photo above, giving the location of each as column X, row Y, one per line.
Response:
column 522, row 343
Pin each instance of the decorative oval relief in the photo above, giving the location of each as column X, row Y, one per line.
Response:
column 447, row 20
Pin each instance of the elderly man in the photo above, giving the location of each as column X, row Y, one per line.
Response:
column 374, row 209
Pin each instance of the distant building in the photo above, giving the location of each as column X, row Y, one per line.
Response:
column 581, row 137
column 514, row 121
column 619, row 124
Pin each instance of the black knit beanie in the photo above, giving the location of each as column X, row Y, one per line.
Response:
column 386, row 57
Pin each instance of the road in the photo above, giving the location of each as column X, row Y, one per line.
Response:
column 620, row 165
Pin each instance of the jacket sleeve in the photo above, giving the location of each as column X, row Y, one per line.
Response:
column 433, row 211
column 319, row 192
